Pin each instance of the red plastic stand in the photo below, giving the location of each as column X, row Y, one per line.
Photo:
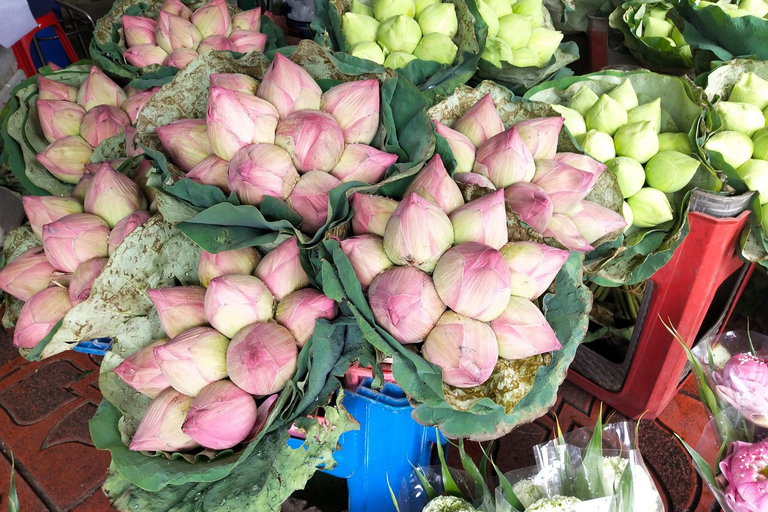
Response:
column 684, row 290
column 22, row 49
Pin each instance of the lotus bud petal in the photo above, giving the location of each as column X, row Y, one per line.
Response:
column 599, row 145
column 675, row 142
column 497, row 51
column 625, row 94
column 130, row 147
column 583, row 100
column 262, row 358
column 670, row 171
column 216, row 43
column 66, row 158
column 42, row 210
column 399, row 34
column 439, row 18
column 529, row 8
column 138, row 30
column 522, row 331
column 629, row 218
column 367, row 256
column 505, row 159
column 741, row 117
column 397, row 60
column 246, row 41
column 176, row 7
column 607, row 115
column 236, row 261
column 368, row 50
column 235, row 82
column 247, row 20
column 281, row 270
column 59, row 118
column 650, row 207
column 515, row 30
column 298, row 312
column 650, row 112
column 629, row 173
column 541, row 135
column 437, row 47
column 574, row 121
column 532, row 267
column 371, row 213
column 102, row 122
column 472, row 178
column 531, row 203
column 655, row 27
column 125, row 227
column 423, row 4
column 211, row 171
column 740, row 384
column 52, row 90
column 113, row 196
column 312, row 138
column 179, row 307
column 213, row 19
column 309, row 198
column 38, row 316
column 193, row 359
column 141, row 177
column 435, row 185
column 735, row 148
column 405, row 303
column 261, row 170
column 359, row 7
column 462, row 148
column 28, row 273
column 582, row 162
column 358, row 28
column 637, row 140
column 752, row 89
column 543, row 42
column 289, row 87
column 221, row 416
column 566, row 186
column 363, row 163
column 181, row 57
column 525, row 57
column 145, row 55
column 483, row 220
column 81, row 189
column 236, row 119
column 140, row 371
column 465, row 350
column 594, row 221
column 754, row 173
column 83, row 277
column 385, row 9
column 174, row 32
column 135, row 103
column 186, row 141
column 160, row 428
column 73, row 239
column 233, row 301
column 481, row 122
column 355, row 107
column 489, row 17
column 99, row 89
column 562, row 229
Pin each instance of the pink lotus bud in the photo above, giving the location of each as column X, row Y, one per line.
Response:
column 464, row 349
column 566, row 186
column 743, row 471
column 481, row 122
column 531, row 203
column 362, row 163
column 66, row 158
column 73, row 239
column 145, row 55
column 367, row 256
column 125, row 227
column 281, row 270
column 264, row 410
column 160, row 428
column 583, row 162
column 371, row 213
column 221, row 416
column 138, row 30
column 81, row 189
column 28, row 273
column 289, row 87
column 246, row 41
column 236, row 120
column 435, row 185
column 59, row 118
column 212, row 19
column 505, row 160
column 180, row 308
column 186, row 141
column 473, row 280
column 541, row 135
column 355, row 106
column 742, row 383
column 594, row 221
column 113, row 196
column 181, row 57
column 313, row 139
column 405, row 303
column 83, row 277
column 193, row 359
column 130, row 147
column 562, row 229
column 462, row 148
column 235, row 82
column 472, row 178
column 417, row 233
column 38, row 316
column 309, row 198
column 141, row 177
column 135, row 103
column 140, row 371
column 532, row 267
column 261, row 170
column 103, row 122
column 211, row 171
column 52, row 90
column 99, row 89
column 262, row 358
column 215, row 43
column 482, row 220
column 233, row 301
column 174, row 32
column 236, row 261
column 298, row 312
column 176, row 7
column 522, row 331
column 42, row 210
column 247, row 20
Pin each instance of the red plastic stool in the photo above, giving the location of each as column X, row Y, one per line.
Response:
column 22, row 49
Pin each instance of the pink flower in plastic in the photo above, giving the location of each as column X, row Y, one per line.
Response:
column 541, row 135
column 355, row 106
column 140, row 371
column 743, row 383
column 143, row 55
column 744, row 468
column 28, row 273
column 236, row 261
column 371, row 213
column 74, row 239
column 262, row 358
column 481, row 122
column 221, row 416
column 435, row 185
column 522, row 331
column 531, row 203
column 179, row 307
column 261, row 170
column 532, row 267
column 362, row 163
column 138, row 30
column 246, row 41
column 39, row 314
column 289, row 87
column 312, row 138
column 505, row 159
column 309, row 198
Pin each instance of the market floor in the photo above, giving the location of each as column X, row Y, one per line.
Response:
column 45, row 407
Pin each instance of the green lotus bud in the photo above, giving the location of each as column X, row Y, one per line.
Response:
column 598, row 145
column 678, row 37
column 436, row 47
column 489, row 17
column 399, row 34
column 754, row 7
column 368, row 50
column 500, row 7
column 629, row 217
column 358, row 28
column 607, row 115
column 637, row 140
column 515, row 30
column 573, row 120
column 440, row 19
column 544, row 42
column 385, row 9
column 654, row 27
column 755, row 176
column 423, row 4
column 733, row 11
column 648, row 112
column 650, row 207
column 760, row 142
column 670, row 171
column 740, row 117
column 675, row 142
column 497, row 51
column 525, row 58
column 734, row 148
column 583, row 100
column 751, row 89
column 359, row 7
column 629, row 173
column 396, row 60
column 532, row 8
column 624, row 93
